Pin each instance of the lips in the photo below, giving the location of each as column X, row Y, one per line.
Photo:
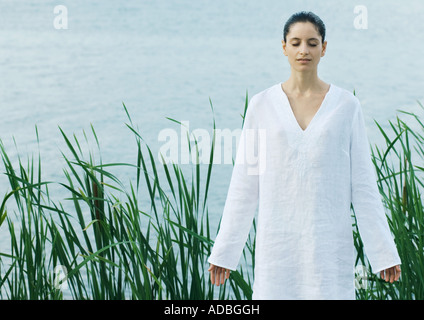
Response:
column 303, row 61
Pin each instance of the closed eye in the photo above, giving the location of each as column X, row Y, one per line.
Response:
column 297, row 44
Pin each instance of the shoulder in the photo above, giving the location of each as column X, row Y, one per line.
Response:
column 346, row 95
column 258, row 103
column 264, row 97
column 347, row 99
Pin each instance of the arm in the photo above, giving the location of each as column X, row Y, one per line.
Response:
column 241, row 202
column 371, row 218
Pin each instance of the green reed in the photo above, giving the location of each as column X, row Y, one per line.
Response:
column 151, row 239
column 400, row 185
column 111, row 247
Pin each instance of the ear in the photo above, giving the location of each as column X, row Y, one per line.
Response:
column 284, row 47
column 324, row 48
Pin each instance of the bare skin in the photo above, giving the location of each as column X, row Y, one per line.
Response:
column 305, row 92
column 304, row 89
column 218, row 274
column 305, row 107
column 391, row 274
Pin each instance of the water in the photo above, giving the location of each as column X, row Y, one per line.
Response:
column 167, row 58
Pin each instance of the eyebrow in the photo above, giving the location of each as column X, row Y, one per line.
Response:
column 308, row 39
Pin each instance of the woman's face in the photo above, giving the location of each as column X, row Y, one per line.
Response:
column 304, row 47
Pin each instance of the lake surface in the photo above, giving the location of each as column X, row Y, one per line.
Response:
column 167, row 58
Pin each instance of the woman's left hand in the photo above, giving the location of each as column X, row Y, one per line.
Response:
column 391, row 274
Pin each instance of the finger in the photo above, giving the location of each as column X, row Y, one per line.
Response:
column 223, row 276
column 387, row 275
column 397, row 273
column 392, row 275
column 228, row 273
column 382, row 274
column 213, row 270
column 218, row 276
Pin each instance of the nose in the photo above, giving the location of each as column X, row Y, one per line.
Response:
column 303, row 49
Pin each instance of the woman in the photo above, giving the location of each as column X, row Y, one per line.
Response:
column 314, row 163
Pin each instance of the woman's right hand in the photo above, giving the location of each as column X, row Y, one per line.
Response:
column 218, row 274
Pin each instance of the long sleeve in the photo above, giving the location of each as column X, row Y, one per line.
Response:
column 242, row 197
column 367, row 202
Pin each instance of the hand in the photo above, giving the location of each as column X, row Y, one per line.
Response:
column 218, row 274
column 391, row 274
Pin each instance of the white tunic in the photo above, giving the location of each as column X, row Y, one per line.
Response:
column 303, row 183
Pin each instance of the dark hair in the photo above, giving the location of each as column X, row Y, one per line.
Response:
column 304, row 16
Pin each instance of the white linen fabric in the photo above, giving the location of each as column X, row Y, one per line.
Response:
column 302, row 183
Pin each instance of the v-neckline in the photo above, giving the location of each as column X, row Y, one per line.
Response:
column 293, row 117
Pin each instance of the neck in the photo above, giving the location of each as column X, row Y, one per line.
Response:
column 304, row 82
